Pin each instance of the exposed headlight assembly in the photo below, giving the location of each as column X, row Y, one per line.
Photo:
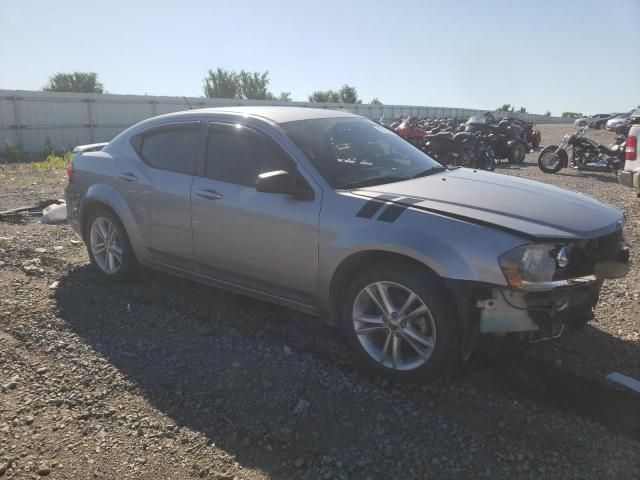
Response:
column 533, row 267
column 528, row 266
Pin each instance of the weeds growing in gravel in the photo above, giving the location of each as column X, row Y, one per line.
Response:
column 52, row 162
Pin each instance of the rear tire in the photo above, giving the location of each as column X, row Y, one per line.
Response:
column 108, row 245
column 517, row 151
column 394, row 336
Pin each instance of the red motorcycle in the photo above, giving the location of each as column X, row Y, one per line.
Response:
column 409, row 129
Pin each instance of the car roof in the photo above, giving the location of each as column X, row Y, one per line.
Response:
column 277, row 114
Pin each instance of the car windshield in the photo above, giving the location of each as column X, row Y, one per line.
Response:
column 356, row 152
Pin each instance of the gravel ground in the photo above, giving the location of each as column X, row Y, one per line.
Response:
column 165, row 378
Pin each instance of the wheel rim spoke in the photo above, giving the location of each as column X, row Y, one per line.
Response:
column 367, row 330
column 385, row 349
column 416, row 313
column 364, row 318
column 117, row 253
column 384, row 295
column 375, row 300
column 408, row 302
column 102, row 230
column 419, row 337
column 395, row 351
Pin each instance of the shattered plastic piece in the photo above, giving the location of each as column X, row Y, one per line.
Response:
column 16, row 213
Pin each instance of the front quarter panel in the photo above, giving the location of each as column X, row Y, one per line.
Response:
column 453, row 249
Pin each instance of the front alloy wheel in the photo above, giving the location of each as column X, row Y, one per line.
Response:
column 401, row 321
column 394, row 326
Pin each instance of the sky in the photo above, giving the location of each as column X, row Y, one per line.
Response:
column 556, row 55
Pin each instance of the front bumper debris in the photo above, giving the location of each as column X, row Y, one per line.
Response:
column 542, row 312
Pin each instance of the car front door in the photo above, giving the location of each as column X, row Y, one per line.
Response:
column 263, row 241
column 157, row 187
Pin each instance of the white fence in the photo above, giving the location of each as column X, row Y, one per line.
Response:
column 36, row 120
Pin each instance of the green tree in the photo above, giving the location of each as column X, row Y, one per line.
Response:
column 253, row 85
column 375, row 101
column 221, row 84
column 572, row 114
column 348, row 94
column 522, row 110
column 285, row 96
column 79, row 82
column 324, row 96
column 547, row 113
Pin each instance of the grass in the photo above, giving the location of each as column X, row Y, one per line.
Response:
column 52, row 162
column 42, row 171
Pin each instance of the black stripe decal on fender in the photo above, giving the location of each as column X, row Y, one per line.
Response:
column 370, row 208
column 392, row 212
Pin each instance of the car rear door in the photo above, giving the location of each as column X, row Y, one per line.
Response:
column 263, row 241
column 158, row 187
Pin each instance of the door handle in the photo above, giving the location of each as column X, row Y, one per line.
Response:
column 128, row 176
column 209, row 194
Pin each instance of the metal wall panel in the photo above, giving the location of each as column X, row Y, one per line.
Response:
column 69, row 119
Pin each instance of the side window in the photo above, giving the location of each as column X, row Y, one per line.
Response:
column 171, row 148
column 239, row 155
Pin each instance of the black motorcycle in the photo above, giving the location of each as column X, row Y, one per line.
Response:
column 461, row 149
column 586, row 154
column 506, row 139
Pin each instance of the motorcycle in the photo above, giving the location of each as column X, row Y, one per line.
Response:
column 462, row 149
column 586, row 154
column 444, row 141
column 505, row 139
column 530, row 134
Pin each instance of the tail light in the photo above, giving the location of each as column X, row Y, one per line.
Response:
column 631, row 150
column 70, row 171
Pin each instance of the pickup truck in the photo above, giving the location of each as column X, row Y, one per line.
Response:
column 630, row 176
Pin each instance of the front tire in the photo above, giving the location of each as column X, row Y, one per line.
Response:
column 400, row 322
column 108, row 245
column 549, row 161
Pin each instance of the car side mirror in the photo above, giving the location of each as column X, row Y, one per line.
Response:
column 281, row 181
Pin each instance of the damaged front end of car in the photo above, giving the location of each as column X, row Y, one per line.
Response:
column 551, row 286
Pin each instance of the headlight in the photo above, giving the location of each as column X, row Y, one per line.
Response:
column 529, row 266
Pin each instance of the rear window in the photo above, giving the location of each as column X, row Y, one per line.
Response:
column 174, row 149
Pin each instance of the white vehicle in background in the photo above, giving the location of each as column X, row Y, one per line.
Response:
column 630, row 176
column 596, row 121
column 617, row 121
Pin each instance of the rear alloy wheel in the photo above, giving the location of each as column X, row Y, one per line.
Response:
column 399, row 321
column 108, row 245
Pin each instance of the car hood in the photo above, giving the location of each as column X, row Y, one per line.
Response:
column 529, row 208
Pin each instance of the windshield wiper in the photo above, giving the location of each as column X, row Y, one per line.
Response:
column 429, row 171
column 368, row 182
